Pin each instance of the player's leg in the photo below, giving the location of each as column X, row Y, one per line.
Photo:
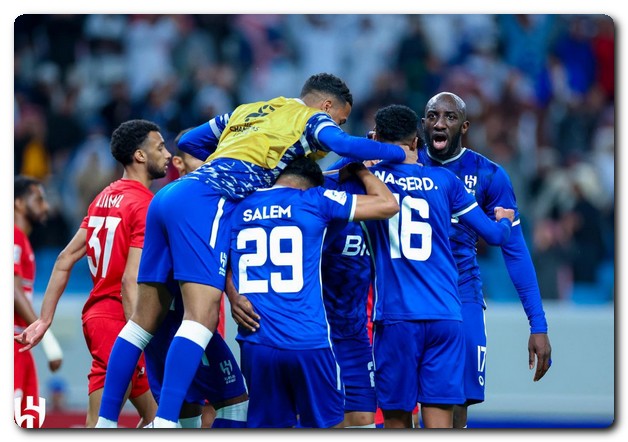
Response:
column 199, row 240
column 441, row 373
column 141, row 395
column 355, row 358
column 152, row 305
column 270, row 400
column 220, row 379
column 315, row 386
column 397, row 351
column 473, row 322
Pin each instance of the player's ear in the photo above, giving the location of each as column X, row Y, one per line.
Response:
column 465, row 127
column 139, row 156
column 414, row 144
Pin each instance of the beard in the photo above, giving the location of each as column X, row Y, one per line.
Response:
column 155, row 172
column 452, row 148
column 36, row 219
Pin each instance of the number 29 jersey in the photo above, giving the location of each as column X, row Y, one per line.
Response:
column 115, row 221
column 276, row 242
column 415, row 272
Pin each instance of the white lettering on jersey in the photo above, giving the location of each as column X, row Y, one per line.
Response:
column 354, row 246
column 109, row 201
column 406, row 183
column 267, row 212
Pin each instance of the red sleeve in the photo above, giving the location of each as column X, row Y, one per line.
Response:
column 18, row 249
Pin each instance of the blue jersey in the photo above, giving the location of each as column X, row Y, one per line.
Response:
column 491, row 187
column 276, row 243
column 346, row 272
column 415, row 272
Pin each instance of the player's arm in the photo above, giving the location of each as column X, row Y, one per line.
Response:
column 57, row 283
column 499, row 192
column 129, row 290
column 242, row 310
column 336, row 140
column 523, row 275
column 494, row 233
column 202, row 141
column 378, row 203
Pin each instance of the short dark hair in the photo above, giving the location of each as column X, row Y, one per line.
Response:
column 307, row 169
column 396, row 123
column 23, row 186
column 177, row 151
column 128, row 137
column 330, row 84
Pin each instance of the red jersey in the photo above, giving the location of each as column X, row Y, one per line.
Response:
column 23, row 267
column 115, row 222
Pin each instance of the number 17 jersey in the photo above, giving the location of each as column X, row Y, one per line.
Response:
column 115, row 222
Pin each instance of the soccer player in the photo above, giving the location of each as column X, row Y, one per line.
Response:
column 30, row 210
column 276, row 241
column 417, row 338
column 253, row 144
column 346, row 277
column 444, row 124
column 218, row 384
column 112, row 236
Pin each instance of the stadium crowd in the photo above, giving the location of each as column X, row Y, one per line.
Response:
column 539, row 91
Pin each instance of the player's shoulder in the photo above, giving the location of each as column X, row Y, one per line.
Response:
column 482, row 161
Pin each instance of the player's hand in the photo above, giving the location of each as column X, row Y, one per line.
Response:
column 350, row 170
column 32, row 335
column 539, row 348
column 500, row 213
column 243, row 313
column 55, row 364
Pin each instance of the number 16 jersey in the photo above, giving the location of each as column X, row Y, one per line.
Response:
column 115, row 222
column 415, row 272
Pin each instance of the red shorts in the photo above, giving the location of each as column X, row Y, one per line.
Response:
column 100, row 334
column 25, row 382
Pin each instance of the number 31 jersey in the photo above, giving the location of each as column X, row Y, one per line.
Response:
column 115, row 222
column 415, row 272
column 276, row 242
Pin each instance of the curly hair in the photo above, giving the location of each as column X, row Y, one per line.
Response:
column 128, row 137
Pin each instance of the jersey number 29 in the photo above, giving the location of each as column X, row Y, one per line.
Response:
column 267, row 246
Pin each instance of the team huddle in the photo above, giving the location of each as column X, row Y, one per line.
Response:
column 297, row 251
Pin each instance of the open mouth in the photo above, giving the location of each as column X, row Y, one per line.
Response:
column 439, row 141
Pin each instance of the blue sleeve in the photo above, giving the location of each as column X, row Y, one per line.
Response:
column 345, row 145
column 494, row 233
column 340, row 163
column 523, row 276
column 202, row 141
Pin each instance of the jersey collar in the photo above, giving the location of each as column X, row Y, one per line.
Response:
column 449, row 160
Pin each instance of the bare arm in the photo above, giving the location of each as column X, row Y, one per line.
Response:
column 129, row 290
column 242, row 310
column 59, row 278
column 379, row 202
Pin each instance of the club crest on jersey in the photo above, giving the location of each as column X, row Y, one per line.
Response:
column 471, row 181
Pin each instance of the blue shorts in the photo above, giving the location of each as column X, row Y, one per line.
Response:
column 418, row 361
column 286, row 383
column 474, row 326
column 355, row 358
column 187, row 232
column 217, row 379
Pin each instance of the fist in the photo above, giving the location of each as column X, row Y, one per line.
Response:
column 500, row 213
